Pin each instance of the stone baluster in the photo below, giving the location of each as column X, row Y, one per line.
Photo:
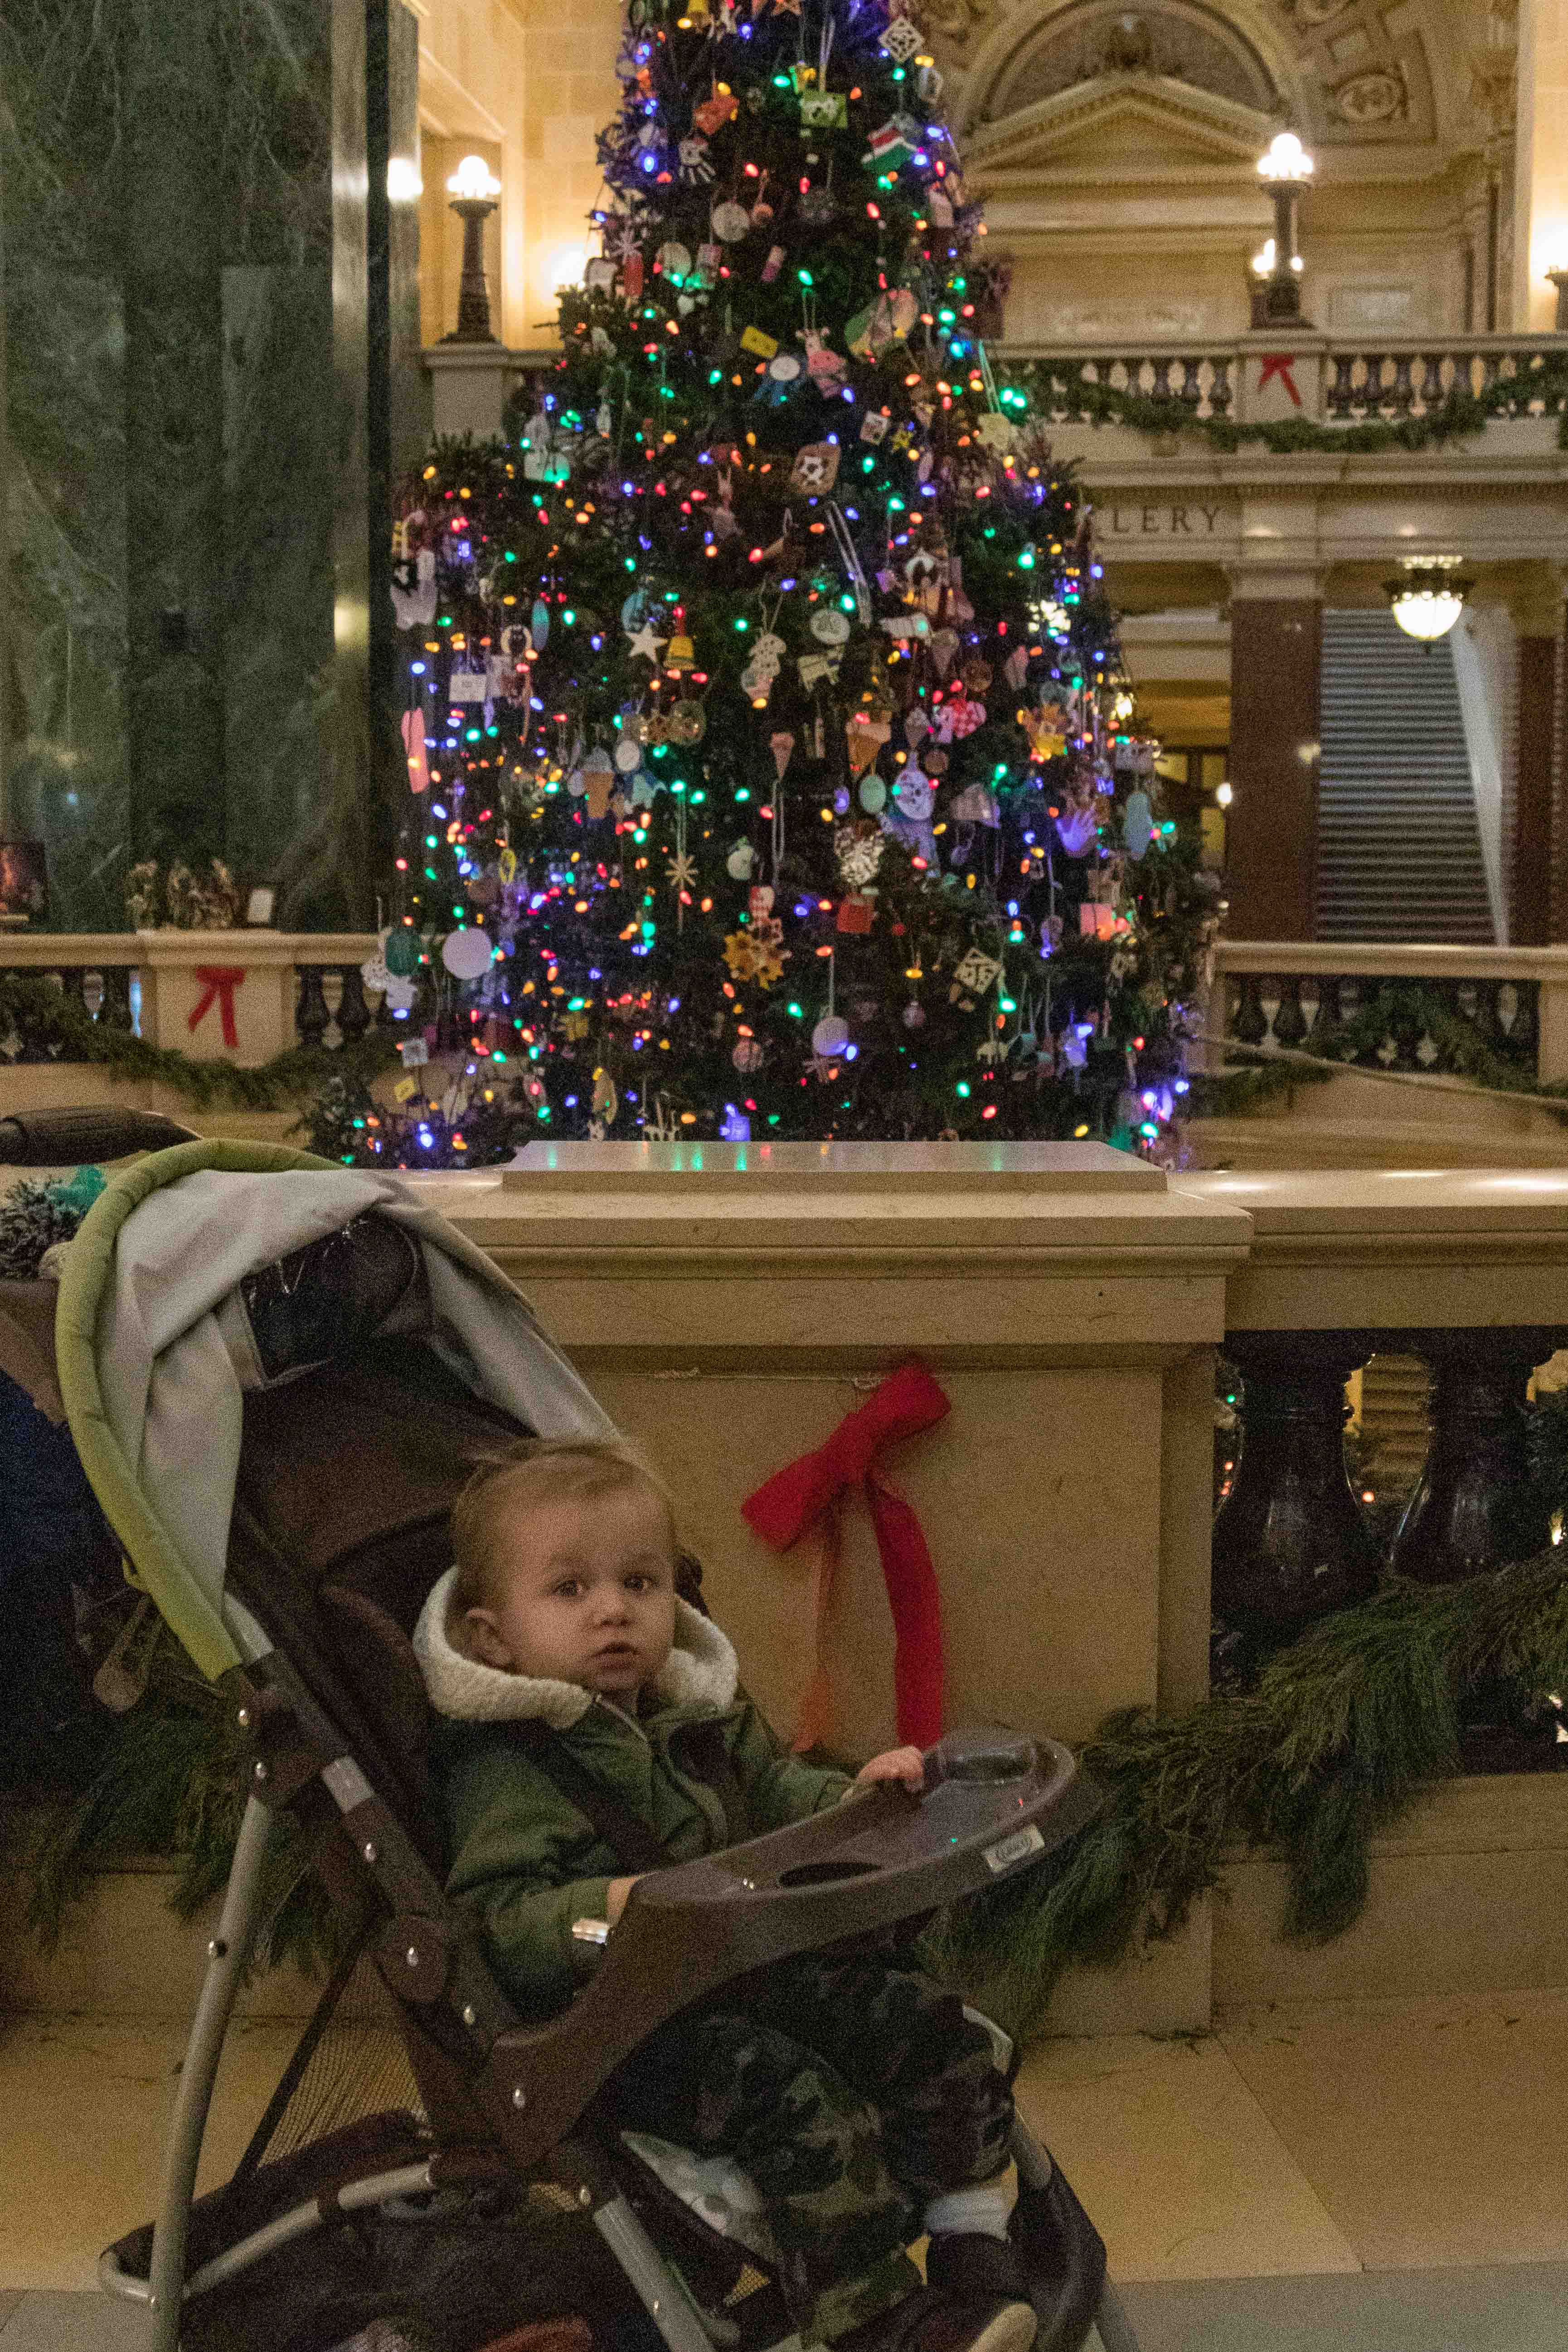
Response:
column 354, row 1013
column 1406, row 1027
column 1401, row 392
column 1249, row 1022
column 1220, row 390
column 1191, row 395
column 1289, row 1020
column 1341, row 395
column 1476, row 1509
column 1291, row 1542
column 1160, row 385
column 116, row 1012
column 311, row 1017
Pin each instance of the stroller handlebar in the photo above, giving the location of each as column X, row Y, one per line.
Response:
column 69, row 1138
column 855, row 1870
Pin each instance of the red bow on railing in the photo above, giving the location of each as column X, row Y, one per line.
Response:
column 908, row 1401
column 1279, row 364
column 218, row 981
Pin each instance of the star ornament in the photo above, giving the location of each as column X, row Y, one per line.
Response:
column 646, row 642
column 682, row 871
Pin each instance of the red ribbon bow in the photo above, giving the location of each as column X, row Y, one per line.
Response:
column 908, row 1401
column 218, row 981
column 1279, row 364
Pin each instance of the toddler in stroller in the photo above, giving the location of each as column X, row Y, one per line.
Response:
column 859, row 2099
column 279, row 1375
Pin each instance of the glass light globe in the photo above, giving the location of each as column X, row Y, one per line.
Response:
column 1287, row 159
column 473, row 180
column 1427, row 613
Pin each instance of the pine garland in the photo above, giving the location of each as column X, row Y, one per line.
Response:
column 1061, row 393
column 1336, row 1740
column 53, row 1029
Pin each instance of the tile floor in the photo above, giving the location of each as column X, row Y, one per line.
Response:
column 1362, row 2177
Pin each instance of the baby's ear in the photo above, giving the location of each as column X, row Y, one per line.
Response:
column 485, row 1639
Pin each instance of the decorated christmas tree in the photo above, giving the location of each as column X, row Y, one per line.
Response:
column 771, row 770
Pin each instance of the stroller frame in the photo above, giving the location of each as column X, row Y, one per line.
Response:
column 505, row 2102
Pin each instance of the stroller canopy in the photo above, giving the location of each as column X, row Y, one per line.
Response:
column 156, row 1347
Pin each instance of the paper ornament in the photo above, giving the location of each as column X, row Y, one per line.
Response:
column 713, row 112
column 874, row 426
column 816, row 469
column 632, row 277
column 997, row 431
column 467, row 953
column 747, row 1056
column 975, row 972
column 817, row 207
column 914, row 1016
column 774, row 264
column 740, row 862
column 681, row 654
column 829, row 626
column 914, row 793
column 400, row 994
column 943, row 647
column 830, row 1035
column 856, row 914
column 760, row 900
column 731, row 222
column 1077, row 830
column 761, row 346
column 687, row 720
column 825, row 367
column 901, row 40
column 696, row 166
column 599, row 276
column 781, row 743
column 815, row 669
column 675, row 261
column 975, row 804
column 628, row 752
column 784, row 369
column 374, row 971
column 873, row 794
column 1137, row 823
column 708, row 257
column 824, row 109
column 412, row 730
column 599, row 782
column 892, row 142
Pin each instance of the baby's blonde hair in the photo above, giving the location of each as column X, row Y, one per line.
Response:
column 538, row 1470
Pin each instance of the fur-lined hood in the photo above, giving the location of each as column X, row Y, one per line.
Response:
column 701, row 1671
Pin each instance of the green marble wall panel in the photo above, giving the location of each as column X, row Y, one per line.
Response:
column 175, row 428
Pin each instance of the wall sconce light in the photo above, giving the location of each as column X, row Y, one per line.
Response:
column 1285, row 171
column 1558, row 274
column 1225, row 792
column 1429, row 598
column 473, row 189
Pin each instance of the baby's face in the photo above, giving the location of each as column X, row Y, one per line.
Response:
column 584, row 1594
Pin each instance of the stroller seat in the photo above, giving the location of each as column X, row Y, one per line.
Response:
column 343, row 1358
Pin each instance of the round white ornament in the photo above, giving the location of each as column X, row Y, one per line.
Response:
column 829, row 625
column 577, row 783
column 675, row 260
column 785, row 368
column 628, row 754
column 374, row 971
column 731, row 222
column 738, row 862
column 467, row 953
column 830, row 1035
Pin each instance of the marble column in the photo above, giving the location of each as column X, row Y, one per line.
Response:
column 173, row 181
column 1271, row 837
column 1530, row 866
column 1540, row 163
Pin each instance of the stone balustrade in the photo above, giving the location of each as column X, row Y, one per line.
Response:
column 1321, row 379
column 730, row 1304
column 1415, row 1009
column 296, row 988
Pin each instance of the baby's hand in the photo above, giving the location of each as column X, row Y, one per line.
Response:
column 904, row 1764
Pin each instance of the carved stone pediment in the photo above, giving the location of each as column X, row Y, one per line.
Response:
column 1129, row 123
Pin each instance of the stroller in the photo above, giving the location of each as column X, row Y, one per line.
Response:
column 278, row 1372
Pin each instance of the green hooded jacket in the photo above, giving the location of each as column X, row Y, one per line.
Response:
column 524, row 1863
